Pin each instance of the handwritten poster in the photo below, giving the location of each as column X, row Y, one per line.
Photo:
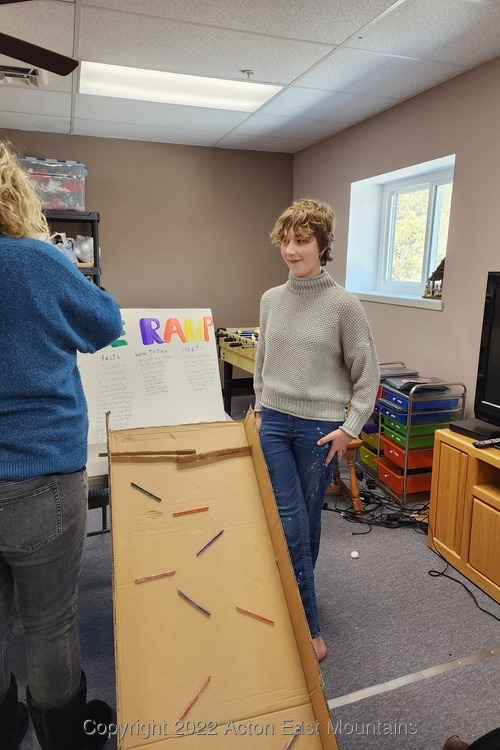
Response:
column 162, row 370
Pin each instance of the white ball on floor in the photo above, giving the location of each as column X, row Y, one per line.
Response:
column 354, row 554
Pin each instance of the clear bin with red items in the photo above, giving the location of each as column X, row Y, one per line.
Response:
column 59, row 184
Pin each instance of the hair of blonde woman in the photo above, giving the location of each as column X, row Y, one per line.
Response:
column 20, row 209
column 308, row 218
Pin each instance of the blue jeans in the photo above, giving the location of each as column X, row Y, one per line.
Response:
column 299, row 478
column 42, row 539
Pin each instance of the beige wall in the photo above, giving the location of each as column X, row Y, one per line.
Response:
column 181, row 226
column 459, row 117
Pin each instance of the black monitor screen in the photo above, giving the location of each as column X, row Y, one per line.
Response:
column 487, row 401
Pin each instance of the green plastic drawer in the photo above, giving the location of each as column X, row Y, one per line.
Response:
column 417, row 430
column 425, row 441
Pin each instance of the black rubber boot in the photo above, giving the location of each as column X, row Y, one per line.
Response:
column 74, row 725
column 13, row 719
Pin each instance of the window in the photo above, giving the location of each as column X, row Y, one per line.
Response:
column 398, row 232
column 414, row 231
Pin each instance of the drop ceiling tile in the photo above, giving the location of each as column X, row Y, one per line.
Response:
column 45, row 23
column 286, row 127
column 438, row 31
column 35, row 102
column 109, row 109
column 314, row 104
column 256, row 143
column 324, row 21
column 159, row 44
column 146, row 133
column 39, row 123
column 358, row 71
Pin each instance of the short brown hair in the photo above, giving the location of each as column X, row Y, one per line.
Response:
column 308, row 218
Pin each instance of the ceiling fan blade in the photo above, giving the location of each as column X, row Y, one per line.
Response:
column 9, row 2
column 37, row 57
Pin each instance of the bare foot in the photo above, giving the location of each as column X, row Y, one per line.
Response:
column 319, row 647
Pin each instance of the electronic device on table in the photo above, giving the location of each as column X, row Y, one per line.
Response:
column 487, row 399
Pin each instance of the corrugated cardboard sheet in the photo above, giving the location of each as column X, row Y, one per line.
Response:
column 265, row 685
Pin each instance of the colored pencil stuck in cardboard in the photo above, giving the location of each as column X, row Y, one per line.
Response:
column 211, row 541
column 195, row 698
column 155, row 576
column 191, row 510
column 191, row 601
column 254, row 614
column 146, row 492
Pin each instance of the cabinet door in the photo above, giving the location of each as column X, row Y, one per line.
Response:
column 484, row 549
column 450, row 497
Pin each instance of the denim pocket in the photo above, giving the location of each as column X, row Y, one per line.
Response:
column 29, row 519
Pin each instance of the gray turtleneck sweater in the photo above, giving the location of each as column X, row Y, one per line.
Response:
column 316, row 353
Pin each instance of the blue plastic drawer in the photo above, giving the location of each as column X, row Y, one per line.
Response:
column 401, row 401
column 402, row 417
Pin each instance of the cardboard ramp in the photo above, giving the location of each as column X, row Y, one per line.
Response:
column 212, row 648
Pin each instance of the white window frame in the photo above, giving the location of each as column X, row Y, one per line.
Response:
column 366, row 229
column 430, row 182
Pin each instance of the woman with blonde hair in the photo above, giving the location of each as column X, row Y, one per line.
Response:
column 48, row 312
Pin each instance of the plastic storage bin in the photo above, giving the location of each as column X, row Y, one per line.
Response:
column 420, row 402
column 417, row 430
column 390, row 411
column 367, row 456
column 420, row 458
column 423, row 441
column 60, row 185
column 391, row 474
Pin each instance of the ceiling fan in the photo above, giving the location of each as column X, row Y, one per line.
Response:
column 38, row 57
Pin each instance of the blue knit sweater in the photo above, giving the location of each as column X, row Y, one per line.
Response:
column 48, row 312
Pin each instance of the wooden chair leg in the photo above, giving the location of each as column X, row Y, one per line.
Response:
column 338, row 485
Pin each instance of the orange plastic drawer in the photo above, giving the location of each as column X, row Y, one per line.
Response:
column 417, row 459
column 391, row 474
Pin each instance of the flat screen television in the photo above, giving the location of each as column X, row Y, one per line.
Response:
column 487, row 397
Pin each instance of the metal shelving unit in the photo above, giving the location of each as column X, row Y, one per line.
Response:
column 81, row 217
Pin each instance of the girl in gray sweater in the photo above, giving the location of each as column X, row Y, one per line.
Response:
column 315, row 357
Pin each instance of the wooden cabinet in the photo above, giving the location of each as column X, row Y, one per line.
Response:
column 464, row 520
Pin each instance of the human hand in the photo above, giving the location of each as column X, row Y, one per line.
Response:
column 258, row 421
column 339, row 441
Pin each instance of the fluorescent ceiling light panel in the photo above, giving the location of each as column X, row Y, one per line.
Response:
column 173, row 88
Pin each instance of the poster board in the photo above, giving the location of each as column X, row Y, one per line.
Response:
column 162, row 370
